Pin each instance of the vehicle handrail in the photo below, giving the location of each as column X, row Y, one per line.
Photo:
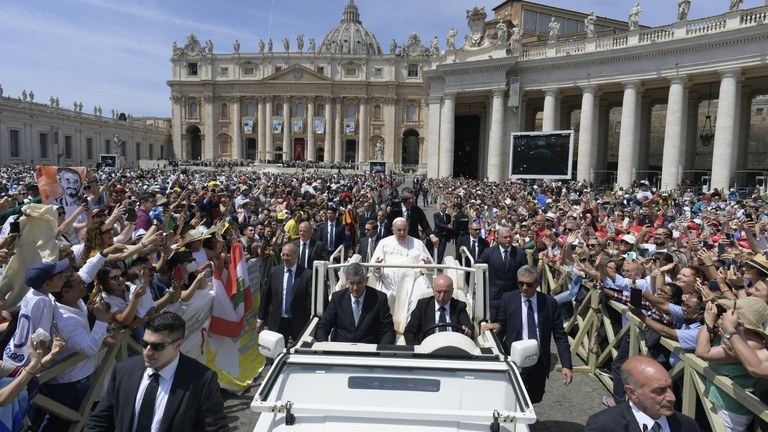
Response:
column 413, row 266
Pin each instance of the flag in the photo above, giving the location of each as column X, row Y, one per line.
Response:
column 231, row 295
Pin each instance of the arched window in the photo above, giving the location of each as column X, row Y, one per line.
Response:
column 411, row 113
column 194, row 111
column 224, row 111
column 377, row 112
column 299, row 109
column 250, row 109
column 319, row 110
column 224, row 142
column 277, row 109
column 351, row 109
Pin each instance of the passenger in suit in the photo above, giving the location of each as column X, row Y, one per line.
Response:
column 651, row 404
column 162, row 390
column 368, row 242
column 502, row 272
column 443, row 230
column 473, row 245
column 310, row 249
column 358, row 314
column 330, row 233
column 285, row 299
column 428, row 312
column 529, row 314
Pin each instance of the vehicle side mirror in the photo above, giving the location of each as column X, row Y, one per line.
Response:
column 524, row 353
column 271, row 344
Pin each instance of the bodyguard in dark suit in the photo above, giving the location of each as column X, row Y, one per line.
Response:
column 413, row 214
column 502, row 272
column 285, row 299
column 383, row 228
column 443, row 230
column 367, row 214
column 428, row 312
column 529, row 314
column 649, row 390
column 138, row 386
column 357, row 314
column 368, row 242
column 330, row 233
column 309, row 248
column 473, row 244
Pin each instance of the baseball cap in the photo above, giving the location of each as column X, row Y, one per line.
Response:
column 42, row 272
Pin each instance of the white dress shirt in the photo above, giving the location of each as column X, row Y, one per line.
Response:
column 164, row 389
column 644, row 420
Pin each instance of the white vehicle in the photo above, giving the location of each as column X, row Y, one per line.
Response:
column 448, row 383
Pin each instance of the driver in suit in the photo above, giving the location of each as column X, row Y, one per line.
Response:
column 440, row 309
column 650, row 405
column 358, row 314
column 161, row 390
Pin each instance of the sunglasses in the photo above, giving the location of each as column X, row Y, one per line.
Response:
column 157, row 346
column 117, row 277
column 526, row 284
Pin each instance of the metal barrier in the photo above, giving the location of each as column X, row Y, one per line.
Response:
column 591, row 315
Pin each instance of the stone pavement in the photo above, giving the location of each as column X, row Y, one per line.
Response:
column 564, row 409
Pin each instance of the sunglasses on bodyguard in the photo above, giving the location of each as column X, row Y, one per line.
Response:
column 157, row 346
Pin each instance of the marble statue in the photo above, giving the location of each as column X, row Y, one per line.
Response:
column 634, row 17
column 286, row 45
column 435, row 46
column 80, row 107
column 735, row 5
column 99, row 110
column 269, row 46
column 300, row 43
column 175, row 47
column 554, row 30
column 95, row 110
column 450, row 41
column 31, row 96
column 24, row 95
column 56, row 102
column 113, row 113
column 261, row 46
column 393, row 47
column 379, row 150
column 517, row 37
column 683, row 7
column 209, row 46
column 51, row 101
column 74, row 106
column 1, row 90
column 236, row 46
column 334, row 47
column 589, row 24
column 502, row 34
column 312, row 47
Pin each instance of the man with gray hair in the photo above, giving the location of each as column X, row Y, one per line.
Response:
column 530, row 314
column 358, row 314
column 503, row 261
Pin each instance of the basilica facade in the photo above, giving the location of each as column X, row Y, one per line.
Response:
column 451, row 108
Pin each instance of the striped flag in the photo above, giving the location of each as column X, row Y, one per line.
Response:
column 231, row 295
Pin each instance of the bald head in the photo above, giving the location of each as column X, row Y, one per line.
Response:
column 442, row 287
column 648, row 386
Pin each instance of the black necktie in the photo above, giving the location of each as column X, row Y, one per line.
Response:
column 407, row 215
column 531, row 321
column 506, row 256
column 381, row 230
column 304, row 254
column 441, row 318
column 331, row 237
column 147, row 408
column 474, row 248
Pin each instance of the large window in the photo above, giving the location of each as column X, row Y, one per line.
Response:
column 15, row 139
column 194, row 110
column 319, row 110
column 67, row 147
column 224, row 111
column 250, row 109
column 538, row 22
column 299, row 109
column 89, row 148
column 411, row 112
column 413, row 70
column 138, row 150
column 107, row 144
column 377, row 112
column 191, row 69
column 351, row 110
column 151, row 151
column 43, row 146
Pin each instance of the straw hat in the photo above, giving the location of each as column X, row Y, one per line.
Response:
column 195, row 235
column 759, row 262
column 753, row 312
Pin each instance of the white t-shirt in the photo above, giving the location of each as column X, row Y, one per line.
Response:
column 36, row 313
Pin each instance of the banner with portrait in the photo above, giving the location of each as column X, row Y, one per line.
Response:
column 319, row 126
column 61, row 186
column 248, row 126
column 349, row 127
column 277, row 126
column 298, row 126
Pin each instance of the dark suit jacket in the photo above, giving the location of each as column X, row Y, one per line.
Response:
column 482, row 245
column 442, row 228
column 375, row 324
column 502, row 277
column 550, row 325
column 423, row 316
column 271, row 306
column 362, row 249
column 363, row 219
column 417, row 219
column 194, row 402
column 314, row 253
column 338, row 234
column 621, row 419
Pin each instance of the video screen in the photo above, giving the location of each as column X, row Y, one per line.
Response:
column 541, row 155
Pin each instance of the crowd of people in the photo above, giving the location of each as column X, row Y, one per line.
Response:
column 144, row 242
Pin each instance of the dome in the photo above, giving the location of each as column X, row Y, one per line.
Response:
column 350, row 36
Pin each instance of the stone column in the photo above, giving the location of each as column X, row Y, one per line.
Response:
column 628, row 138
column 586, row 163
column 433, row 137
column 262, row 128
column 675, row 133
column 237, row 127
column 692, row 136
column 287, row 145
column 329, row 148
column 177, row 123
column 338, row 145
column 268, row 134
column 495, row 138
column 551, row 110
column 644, row 136
column 362, row 155
column 727, row 129
column 391, row 130
column 447, row 128
column 208, row 151
column 310, row 129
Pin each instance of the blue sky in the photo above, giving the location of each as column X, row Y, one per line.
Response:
column 116, row 54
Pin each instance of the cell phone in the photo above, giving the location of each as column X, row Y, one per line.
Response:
column 720, row 248
column 15, row 227
column 130, row 214
column 636, row 298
